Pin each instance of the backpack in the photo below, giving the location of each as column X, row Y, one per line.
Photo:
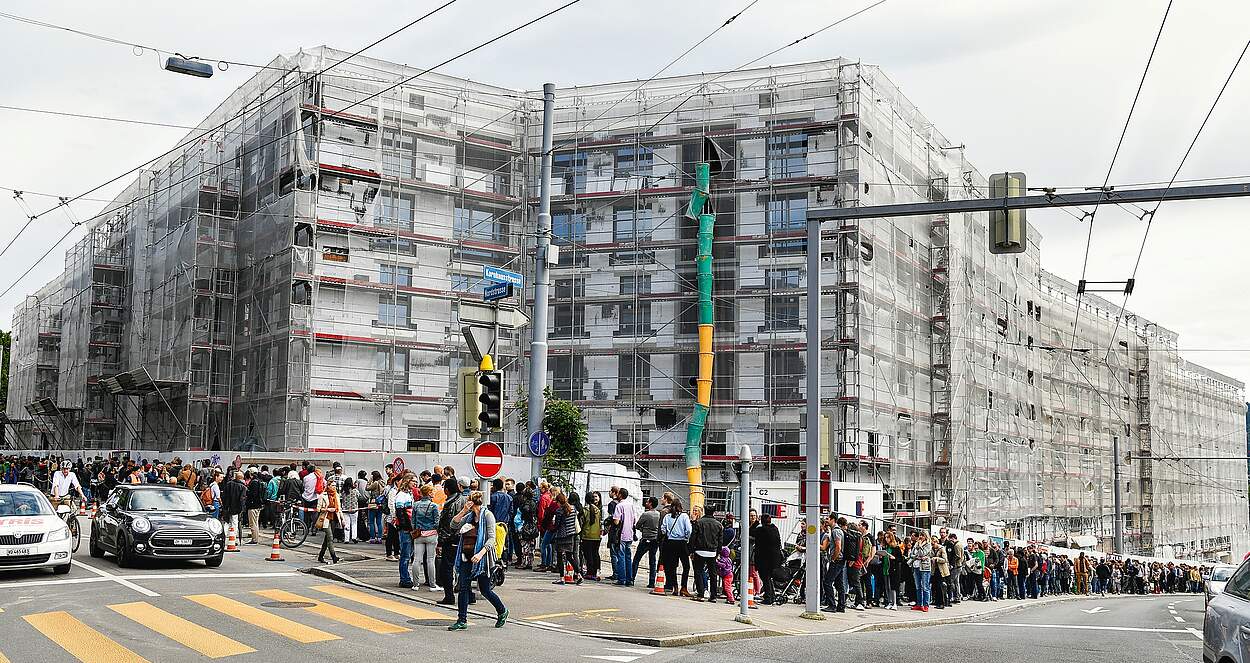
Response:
column 383, row 503
column 206, row 496
column 852, row 547
column 321, row 484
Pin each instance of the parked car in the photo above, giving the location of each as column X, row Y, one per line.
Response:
column 159, row 522
column 1226, row 627
column 31, row 534
column 1219, row 576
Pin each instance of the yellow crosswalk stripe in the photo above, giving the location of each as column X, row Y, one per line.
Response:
column 187, row 633
column 406, row 609
column 335, row 613
column 4, row 659
column 81, row 641
column 266, row 620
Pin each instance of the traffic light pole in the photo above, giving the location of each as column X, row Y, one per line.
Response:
column 542, row 283
column 816, row 216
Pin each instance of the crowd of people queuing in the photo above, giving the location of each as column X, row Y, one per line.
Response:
column 446, row 536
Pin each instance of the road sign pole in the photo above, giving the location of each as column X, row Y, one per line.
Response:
column 542, row 282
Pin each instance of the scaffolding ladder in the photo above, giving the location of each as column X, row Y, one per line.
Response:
column 940, row 364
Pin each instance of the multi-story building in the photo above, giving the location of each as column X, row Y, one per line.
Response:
column 291, row 278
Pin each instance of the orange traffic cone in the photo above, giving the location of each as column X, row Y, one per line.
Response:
column 568, row 573
column 95, row 509
column 658, row 590
column 82, row 508
column 751, row 598
column 232, row 542
column 275, row 553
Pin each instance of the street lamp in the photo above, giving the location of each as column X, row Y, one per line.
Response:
column 181, row 65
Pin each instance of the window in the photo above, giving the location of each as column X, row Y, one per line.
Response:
column 395, row 211
column 423, row 439
column 786, row 212
column 394, row 274
column 570, row 321
column 568, row 377
column 461, row 282
column 393, row 245
column 1239, row 584
column 783, row 279
column 635, row 319
column 475, row 223
column 393, row 310
column 629, row 224
column 634, row 161
column 787, row 156
column 633, row 374
column 630, row 442
column 783, row 372
column 781, row 313
column 636, row 285
column 392, row 371
column 416, row 101
column 399, row 164
column 568, row 228
column 714, row 443
column 335, row 254
column 572, row 169
column 782, row 443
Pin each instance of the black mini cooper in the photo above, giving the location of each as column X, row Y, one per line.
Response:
column 157, row 522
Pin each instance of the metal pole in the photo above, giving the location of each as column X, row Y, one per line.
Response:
column 542, row 282
column 744, row 522
column 812, row 507
column 1115, row 476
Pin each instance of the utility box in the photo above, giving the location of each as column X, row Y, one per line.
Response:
column 469, row 406
column 1008, row 232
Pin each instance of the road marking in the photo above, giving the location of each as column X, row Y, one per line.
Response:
column 1196, row 633
column 208, row 576
column 64, row 581
column 115, row 578
column 266, row 620
column 595, row 612
column 616, row 659
column 1179, row 619
column 551, row 615
column 644, row 652
column 406, row 609
column 1078, row 627
column 539, row 621
column 1095, row 610
column 1172, row 611
column 187, row 633
column 335, row 613
column 81, row 641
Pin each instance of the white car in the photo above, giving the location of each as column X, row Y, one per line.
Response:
column 1219, row 577
column 1226, row 628
column 31, row 534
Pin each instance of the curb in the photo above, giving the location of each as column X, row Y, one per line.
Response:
column 642, row 640
column 939, row 621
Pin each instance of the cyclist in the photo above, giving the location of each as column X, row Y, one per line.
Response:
column 63, row 483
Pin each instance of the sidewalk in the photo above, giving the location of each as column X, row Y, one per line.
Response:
column 632, row 615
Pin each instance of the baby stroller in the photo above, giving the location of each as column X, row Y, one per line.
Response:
column 789, row 578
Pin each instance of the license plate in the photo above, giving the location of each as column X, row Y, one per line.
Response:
column 182, row 542
column 13, row 552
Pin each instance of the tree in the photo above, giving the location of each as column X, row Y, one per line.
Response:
column 564, row 423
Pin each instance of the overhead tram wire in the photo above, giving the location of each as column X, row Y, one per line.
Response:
column 236, row 116
column 276, row 139
column 1114, row 156
column 1150, row 216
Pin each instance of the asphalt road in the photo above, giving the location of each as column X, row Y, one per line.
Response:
column 251, row 609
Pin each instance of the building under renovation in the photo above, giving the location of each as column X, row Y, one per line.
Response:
column 292, row 277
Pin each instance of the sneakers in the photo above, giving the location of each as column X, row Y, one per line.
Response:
column 435, row 588
column 392, row 558
column 503, row 617
column 458, row 626
column 918, row 608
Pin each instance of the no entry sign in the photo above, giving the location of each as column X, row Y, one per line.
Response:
column 487, row 460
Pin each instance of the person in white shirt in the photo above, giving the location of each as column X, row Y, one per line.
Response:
column 63, row 482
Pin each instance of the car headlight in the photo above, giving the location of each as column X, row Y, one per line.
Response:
column 214, row 526
column 58, row 535
column 140, row 525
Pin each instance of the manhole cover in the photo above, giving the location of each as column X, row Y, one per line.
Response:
column 289, row 604
column 428, row 622
column 536, row 590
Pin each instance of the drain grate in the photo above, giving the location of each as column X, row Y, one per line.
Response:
column 535, row 590
column 289, row 604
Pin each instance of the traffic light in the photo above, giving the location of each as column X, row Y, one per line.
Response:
column 490, row 397
column 469, row 406
column 1008, row 229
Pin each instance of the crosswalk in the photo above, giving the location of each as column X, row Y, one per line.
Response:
column 193, row 622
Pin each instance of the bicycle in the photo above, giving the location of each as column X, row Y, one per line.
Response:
column 292, row 531
column 67, row 510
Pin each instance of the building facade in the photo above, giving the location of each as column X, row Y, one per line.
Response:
column 292, row 278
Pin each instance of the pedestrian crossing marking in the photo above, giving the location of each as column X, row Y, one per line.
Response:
column 335, row 613
column 406, row 609
column 81, row 641
column 182, row 631
column 266, row 620
column 4, row 659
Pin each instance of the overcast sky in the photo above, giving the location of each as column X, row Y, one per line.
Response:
column 1041, row 87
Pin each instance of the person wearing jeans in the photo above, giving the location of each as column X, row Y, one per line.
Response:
column 475, row 559
column 920, row 557
column 400, row 503
column 647, row 530
column 624, row 517
column 425, row 537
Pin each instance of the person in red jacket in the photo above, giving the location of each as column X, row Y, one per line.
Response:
column 546, row 528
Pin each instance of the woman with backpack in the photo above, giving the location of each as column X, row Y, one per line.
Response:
column 675, row 529
column 399, row 501
column 566, row 528
column 349, row 500
column 425, row 515
column 377, row 490
column 592, row 534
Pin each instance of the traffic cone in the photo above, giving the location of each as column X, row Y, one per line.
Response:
column 751, row 599
column 568, row 573
column 95, row 509
column 275, row 553
column 232, row 542
column 82, row 508
column 658, row 590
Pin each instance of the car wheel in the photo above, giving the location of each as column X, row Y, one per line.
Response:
column 214, row 562
column 61, row 570
column 125, row 558
column 93, row 546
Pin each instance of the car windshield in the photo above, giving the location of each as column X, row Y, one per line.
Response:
column 1222, row 575
column 163, row 500
column 24, row 503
